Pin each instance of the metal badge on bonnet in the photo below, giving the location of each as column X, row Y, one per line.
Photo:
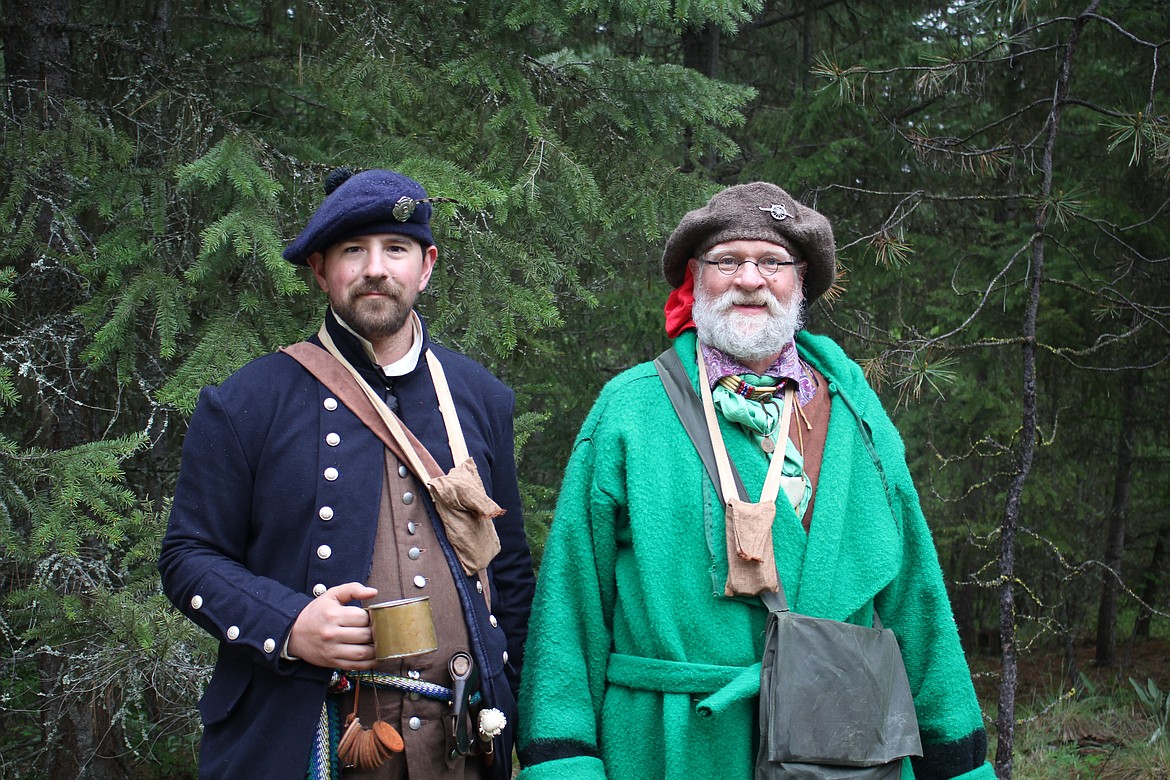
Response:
column 404, row 208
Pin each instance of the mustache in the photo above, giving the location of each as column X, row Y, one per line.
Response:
column 739, row 298
column 384, row 287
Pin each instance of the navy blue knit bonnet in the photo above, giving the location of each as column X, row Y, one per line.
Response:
column 363, row 204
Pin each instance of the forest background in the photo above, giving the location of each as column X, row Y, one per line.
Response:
column 997, row 177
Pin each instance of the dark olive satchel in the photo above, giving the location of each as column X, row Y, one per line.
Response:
column 835, row 702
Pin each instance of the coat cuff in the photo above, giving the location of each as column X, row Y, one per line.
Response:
column 985, row 772
column 575, row 768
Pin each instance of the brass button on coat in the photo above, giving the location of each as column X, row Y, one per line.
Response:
column 330, row 404
column 325, row 513
column 233, row 632
column 324, row 551
column 196, row 602
column 331, row 474
column 332, row 439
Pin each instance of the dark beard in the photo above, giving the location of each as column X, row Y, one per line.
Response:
column 375, row 318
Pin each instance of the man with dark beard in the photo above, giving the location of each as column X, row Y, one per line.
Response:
column 365, row 465
column 648, row 627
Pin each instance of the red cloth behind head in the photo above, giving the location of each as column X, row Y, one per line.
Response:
column 678, row 305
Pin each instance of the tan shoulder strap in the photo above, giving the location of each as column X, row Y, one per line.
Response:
column 338, row 379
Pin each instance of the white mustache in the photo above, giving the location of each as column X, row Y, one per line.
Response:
column 733, row 298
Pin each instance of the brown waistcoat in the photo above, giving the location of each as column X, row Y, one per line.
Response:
column 408, row 562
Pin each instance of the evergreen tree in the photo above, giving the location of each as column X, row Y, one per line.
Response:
column 1003, row 251
column 155, row 161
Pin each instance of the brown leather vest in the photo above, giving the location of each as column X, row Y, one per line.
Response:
column 812, row 445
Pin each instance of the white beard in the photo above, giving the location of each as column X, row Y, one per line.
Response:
column 747, row 337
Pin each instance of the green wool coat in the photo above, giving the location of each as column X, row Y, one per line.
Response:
column 638, row 667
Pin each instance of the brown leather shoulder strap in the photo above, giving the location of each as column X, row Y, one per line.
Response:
column 341, row 383
column 322, row 365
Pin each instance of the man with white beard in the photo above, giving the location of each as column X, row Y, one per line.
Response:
column 750, row 460
column 747, row 319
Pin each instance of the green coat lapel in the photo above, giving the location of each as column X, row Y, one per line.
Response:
column 854, row 546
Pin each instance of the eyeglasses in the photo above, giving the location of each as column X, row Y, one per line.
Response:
column 767, row 265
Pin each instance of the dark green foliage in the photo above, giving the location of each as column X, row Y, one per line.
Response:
column 143, row 210
column 142, row 216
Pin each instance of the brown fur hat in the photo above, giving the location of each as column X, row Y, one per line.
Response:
column 756, row 211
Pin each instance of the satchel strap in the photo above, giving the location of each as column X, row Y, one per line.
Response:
column 775, row 602
column 329, row 372
column 325, row 368
column 689, row 409
column 690, row 413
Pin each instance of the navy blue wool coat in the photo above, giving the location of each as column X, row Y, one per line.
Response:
column 242, row 552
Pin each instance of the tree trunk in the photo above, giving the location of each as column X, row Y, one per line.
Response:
column 36, row 80
column 1118, row 515
column 700, row 48
column 36, row 54
column 74, row 744
column 1152, row 582
column 1006, row 719
column 806, row 54
column 79, row 737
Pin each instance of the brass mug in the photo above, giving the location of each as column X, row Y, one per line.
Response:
column 402, row 628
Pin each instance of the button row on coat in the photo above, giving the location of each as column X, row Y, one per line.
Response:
column 331, row 474
column 326, row 512
column 415, row 552
column 491, row 618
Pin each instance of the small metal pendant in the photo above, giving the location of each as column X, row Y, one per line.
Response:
column 768, row 445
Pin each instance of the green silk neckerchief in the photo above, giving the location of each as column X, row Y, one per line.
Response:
column 762, row 420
